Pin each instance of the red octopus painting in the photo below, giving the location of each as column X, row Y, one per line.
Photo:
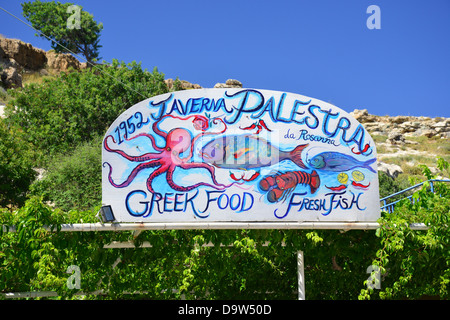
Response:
column 167, row 158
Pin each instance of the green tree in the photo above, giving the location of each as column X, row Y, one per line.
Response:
column 72, row 27
column 16, row 170
column 62, row 112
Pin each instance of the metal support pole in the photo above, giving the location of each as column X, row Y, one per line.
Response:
column 301, row 275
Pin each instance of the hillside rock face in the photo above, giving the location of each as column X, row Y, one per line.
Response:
column 63, row 61
column 398, row 127
column 230, row 83
column 395, row 129
column 185, row 85
column 18, row 57
column 24, row 54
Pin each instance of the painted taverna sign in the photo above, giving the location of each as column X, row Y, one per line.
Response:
column 239, row 155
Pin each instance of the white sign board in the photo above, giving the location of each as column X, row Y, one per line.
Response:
column 239, row 155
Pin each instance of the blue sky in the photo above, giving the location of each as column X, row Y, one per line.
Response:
column 321, row 49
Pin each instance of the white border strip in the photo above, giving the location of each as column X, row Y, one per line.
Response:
column 228, row 225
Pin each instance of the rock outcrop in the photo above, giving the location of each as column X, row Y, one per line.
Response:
column 230, row 83
column 397, row 145
column 398, row 127
column 18, row 57
column 63, row 61
column 392, row 170
column 185, row 85
column 24, row 54
column 9, row 75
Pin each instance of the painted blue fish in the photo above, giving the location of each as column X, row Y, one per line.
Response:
column 247, row 152
column 336, row 161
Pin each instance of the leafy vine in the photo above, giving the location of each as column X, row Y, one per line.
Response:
column 231, row 264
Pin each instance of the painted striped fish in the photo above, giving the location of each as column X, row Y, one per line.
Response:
column 247, row 152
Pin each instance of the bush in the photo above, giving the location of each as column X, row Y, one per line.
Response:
column 62, row 112
column 414, row 263
column 387, row 184
column 74, row 181
column 16, row 170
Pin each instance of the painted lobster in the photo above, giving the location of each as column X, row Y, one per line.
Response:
column 279, row 186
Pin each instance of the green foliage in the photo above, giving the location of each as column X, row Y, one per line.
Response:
column 75, row 107
column 16, row 170
column 416, row 263
column 56, row 21
column 235, row 264
column 387, row 184
column 232, row 264
column 74, row 180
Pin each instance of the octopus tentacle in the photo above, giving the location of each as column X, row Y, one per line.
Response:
column 154, row 174
column 157, row 130
column 173, row 185
column 165, row 159
column 144, row 157
column 211, row 170
column 163, row 133
column 132, row 174
column 152, row 139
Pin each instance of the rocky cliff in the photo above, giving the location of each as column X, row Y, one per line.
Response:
column 18, row 58
column 396, row 128
column 403, row 142
column 230, row 83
